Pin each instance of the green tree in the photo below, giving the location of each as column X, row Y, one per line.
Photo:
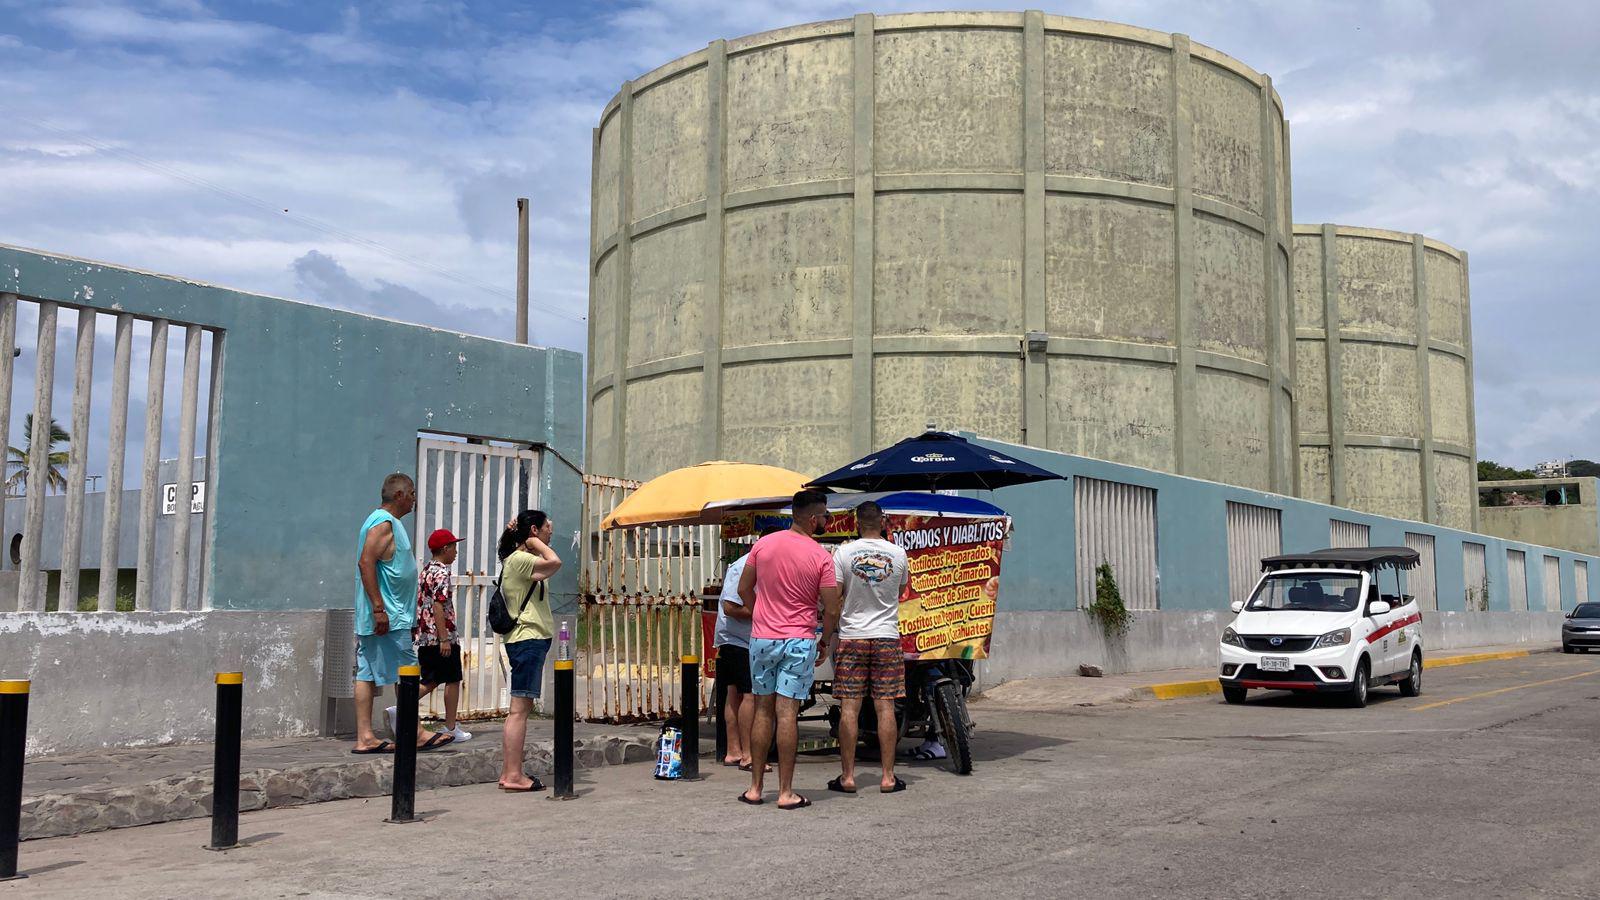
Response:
column 1583, row 468
column 17, row 459
column 1489, row 470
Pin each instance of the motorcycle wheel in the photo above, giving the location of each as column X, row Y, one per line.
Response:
column 953, row 727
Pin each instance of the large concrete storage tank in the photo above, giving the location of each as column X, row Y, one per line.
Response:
column 1394, row 435
column 1064, row 232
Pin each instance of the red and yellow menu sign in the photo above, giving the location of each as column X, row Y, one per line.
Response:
column 947, row 610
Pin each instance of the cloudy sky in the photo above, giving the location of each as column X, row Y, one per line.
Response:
column 367, row 155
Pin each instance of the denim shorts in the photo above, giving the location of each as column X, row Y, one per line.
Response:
column 527, row 666
column 783, row 666
column 380, row 656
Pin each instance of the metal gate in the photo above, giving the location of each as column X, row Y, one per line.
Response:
column 1475, row 574
column 1344, row 534
column 1423, row 580
column 1552, row 583
column 1254, row 533
column 1517, row 575
column 473, row 489
column 1580, row 581
column 640, row 608
column 1116, row 524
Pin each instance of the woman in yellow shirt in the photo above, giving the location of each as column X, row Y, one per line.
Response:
column 526, row 564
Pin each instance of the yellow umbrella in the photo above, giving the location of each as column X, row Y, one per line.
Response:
column 680, row 497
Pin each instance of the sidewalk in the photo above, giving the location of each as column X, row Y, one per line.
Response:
column 1047, row 694
column 82, row 792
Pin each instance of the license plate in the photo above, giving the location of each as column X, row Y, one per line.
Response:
column 1276, row 664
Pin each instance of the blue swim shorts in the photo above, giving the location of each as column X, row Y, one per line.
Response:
column 785, row 666
column 380, row 656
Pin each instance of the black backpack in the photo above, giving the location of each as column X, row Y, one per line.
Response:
column 501, row 621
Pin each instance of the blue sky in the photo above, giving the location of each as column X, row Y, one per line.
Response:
column 173, row 135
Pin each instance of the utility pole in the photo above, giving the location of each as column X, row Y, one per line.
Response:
column 522, row 270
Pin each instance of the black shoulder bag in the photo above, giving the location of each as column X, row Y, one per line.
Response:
column 500, row 619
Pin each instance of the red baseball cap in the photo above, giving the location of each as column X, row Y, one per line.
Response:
column 441, row 539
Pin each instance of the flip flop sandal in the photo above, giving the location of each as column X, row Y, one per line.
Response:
column 383, row 747
column 757, row 802
column 838, row 785
column 804, row 802
column 765, row 770
column 433, row 743
column 733, row 764
column 535, row 785
column 899, row 785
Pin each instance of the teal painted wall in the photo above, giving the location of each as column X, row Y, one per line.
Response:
column 318, row 405
column 1040, row 570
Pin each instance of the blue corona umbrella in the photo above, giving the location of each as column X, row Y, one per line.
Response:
column 934, row 460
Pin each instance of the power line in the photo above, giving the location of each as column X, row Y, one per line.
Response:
column 276, row 211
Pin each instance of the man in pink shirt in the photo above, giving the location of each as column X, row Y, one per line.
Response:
column 784, row 575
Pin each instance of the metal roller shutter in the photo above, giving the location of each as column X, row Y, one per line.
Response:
column 1422, row 582
column 1552, row 583
column 1517, row 574
column 1116, row 523
column 1475, row 574
column 1348, row 534
column 1254, row 532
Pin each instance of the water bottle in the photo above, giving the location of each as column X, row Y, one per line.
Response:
column 564, row 647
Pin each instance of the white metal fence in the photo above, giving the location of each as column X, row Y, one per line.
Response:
column 1517, row 576
column 1422, row 581
column 1116, row 524
column 640, row 608
column 1344, row 534
column 1552, row 583
column 473, row 489
column 1254, row 533
column 86, row 416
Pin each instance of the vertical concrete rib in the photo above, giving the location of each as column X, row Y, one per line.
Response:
column 208, row 519
column 594, row 253
column 1331, row 329
column 1187, row 447
column 1419, row 288
column 1036, row 374
column 1278, row 468
column 116, row 451
column 31, row 580
column 711, row 360
column 8, row 342
column 188, row 417
column 77, row 462
column 862, row 225
column 1472, row 408
column 150, row 478
column 1286, row 237
column 624, row 251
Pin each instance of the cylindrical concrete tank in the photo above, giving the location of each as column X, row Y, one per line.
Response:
column 1385, row 394
column 1067, row 233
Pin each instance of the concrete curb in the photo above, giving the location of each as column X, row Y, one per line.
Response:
column 189, row 796
column 1175, row 690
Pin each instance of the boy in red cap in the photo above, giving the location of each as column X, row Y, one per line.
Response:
column 438, row 645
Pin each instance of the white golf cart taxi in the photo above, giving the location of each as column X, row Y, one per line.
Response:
column 1318, row 622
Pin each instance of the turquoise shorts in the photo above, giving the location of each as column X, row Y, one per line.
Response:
column 380, row 656
column 785, row 666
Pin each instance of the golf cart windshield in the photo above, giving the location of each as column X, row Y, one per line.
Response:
column 1307, row 592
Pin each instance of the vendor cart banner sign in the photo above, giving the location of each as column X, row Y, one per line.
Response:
column 947, row 610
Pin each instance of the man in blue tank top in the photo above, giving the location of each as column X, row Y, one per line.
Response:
column 386, row 608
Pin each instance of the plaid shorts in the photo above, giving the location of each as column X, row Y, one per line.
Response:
column 876, row 666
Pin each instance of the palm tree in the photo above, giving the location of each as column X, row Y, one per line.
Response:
column 17, row 459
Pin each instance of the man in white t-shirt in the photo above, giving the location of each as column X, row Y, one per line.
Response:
column 871, row 573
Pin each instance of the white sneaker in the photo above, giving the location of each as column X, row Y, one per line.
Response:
column 393, row 715
column 459, row 735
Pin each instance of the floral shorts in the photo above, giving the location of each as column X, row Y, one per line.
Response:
column 875, row 666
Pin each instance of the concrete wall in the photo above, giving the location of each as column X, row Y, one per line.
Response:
column 318, row 405
column 1573, row 526
column 143, row 679
column 1384, row 395
column 858, row 221
column 1039, row 629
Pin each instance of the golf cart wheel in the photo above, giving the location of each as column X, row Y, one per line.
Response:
column 1234, row 693
column 1357, row 697
column 1412, row 685
column 953, row 728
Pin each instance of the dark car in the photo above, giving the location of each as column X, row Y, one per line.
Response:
column 1581, row 631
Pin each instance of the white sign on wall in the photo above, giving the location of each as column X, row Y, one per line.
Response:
column 169, row 498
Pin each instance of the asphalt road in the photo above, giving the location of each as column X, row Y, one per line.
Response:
column 1484, row 786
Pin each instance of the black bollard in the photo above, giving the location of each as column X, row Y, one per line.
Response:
column 13, row 743
column 690, row 704
column 719, row 696
column 225, row 764
column 403, row 809
column 565, row 715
